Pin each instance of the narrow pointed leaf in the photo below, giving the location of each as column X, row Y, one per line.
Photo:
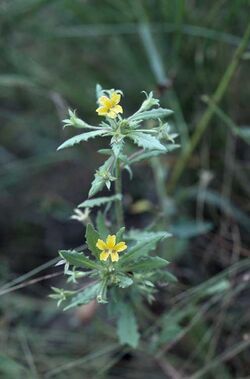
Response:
column 78, row 259
column 152, row 114
column 146, row 141
column 84, row 297
column 142, row 248
column 81, row 138
column 101, row 225
column 146, row 264
column 91, row 239
column 98, row 201
column 127, row 326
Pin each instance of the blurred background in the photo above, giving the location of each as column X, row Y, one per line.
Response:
column 52, row 54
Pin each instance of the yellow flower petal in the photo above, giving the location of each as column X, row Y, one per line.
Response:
column 101, row 245
column 121, row 246
column 103, row 100
column 104, row 256
column 102, row 111
column 117, row 109
column 114, row 256
column 111, row 114
column 109, row 105
column 110, row 241
column 115, row 98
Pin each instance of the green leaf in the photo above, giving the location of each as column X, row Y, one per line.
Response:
column 98, row 201
column 142, row 248
column 97, row 185
column 102, row 177
column 80, row 138
column 105, row 151
column 99, row 91
column 85, row 296
column 146, row 264
column 119, row 234
column 145, row 155
column 135, row 234
column 117, row 148
column 172, row 147
column 101, row 225
column 127, row 326
column 77, row 122
column 166, row 276
column 146, row 141
column 78, row 259
column 152, row 114
column 124, row 281
column 91, row 239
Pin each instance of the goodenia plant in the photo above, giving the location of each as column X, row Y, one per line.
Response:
column 117, row 266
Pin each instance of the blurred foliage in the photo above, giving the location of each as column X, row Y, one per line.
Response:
column 52, row 55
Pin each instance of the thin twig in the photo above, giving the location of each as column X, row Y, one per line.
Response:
column 30, row 282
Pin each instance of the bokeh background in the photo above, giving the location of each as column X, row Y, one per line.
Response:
column 52, row 54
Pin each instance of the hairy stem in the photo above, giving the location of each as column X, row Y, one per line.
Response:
column 118, row 190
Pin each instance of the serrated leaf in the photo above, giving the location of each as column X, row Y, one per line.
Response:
column 146, row 141
column 127, row 327
column 98, row 201
column 146, row 264
column 142, row 248
column 100, row 179
column 91, row 239
column 96, row 186
column 101, row 225
column 117, row 148
column 78, row 259
column 152, row 114
column 84, row 297
column 81, row 138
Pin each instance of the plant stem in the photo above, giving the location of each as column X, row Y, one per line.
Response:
column 208, row 114
column 102, row 295
column 118, row 190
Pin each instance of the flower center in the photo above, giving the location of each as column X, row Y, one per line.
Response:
column 109, row 251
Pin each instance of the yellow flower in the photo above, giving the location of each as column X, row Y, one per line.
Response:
column 109, row 105
column 110, row 248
